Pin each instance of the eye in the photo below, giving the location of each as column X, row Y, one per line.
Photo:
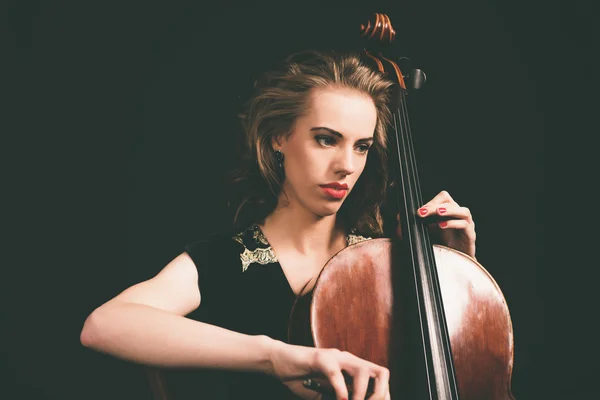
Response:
column 363, row 148
column 325, row 141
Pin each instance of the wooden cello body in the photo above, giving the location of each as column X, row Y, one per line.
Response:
column 434, row 316
column 350, row 308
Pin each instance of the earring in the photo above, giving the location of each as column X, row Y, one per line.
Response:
column 279, row 156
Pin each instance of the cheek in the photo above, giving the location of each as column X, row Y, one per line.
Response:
column 305, row 160
column 306, row 170
column 360, row 163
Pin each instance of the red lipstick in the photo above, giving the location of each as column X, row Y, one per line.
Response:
column 335, row 190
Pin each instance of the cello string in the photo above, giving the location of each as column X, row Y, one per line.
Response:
column 411, row 160
column 429, row 269
column 406, row 201
column 412, row 230
column 425, row 287
column 442, row 333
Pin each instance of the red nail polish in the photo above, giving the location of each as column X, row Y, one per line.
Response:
column 422, row 211
column 443, row 224
column 441, row 210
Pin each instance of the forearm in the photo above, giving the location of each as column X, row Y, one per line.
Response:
column 150, row 336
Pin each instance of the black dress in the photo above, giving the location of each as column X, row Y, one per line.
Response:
column 243, row 289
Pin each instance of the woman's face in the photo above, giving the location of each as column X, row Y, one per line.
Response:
column 327, row 149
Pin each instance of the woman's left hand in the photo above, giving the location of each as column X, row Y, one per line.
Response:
column 458, row 232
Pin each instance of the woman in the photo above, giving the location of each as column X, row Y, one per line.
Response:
column 312, row 184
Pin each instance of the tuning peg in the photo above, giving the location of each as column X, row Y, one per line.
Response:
column 416, row 78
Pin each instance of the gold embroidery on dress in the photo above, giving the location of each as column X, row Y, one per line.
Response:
column 266, row 255
column 238, row 238
column 353, row 239
column 259, row 236
column 261, row 256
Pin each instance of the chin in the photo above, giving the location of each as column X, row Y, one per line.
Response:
column 328, row 209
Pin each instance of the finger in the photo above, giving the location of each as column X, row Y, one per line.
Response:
column 459, row 224
column 441, row 197
column 444, row 197
column 431, row 209
column 362, row 368
column 360, row 382
column 336, row 379
column 454, row 210
column 448, row 212
column 327, row 364
column 382, row 385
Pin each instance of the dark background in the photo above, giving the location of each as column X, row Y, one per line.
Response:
column 120, row 120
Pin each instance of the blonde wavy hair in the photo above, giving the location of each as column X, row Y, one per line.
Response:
column 280, row 97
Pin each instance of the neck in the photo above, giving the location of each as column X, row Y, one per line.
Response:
column 294, row 226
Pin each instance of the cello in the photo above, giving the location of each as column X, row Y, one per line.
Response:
column 432, row 315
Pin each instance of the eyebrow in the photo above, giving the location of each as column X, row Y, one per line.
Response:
column 336, row 133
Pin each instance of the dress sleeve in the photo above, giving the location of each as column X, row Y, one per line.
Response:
column 217, row 259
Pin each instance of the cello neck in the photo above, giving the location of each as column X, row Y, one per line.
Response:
column 434, row 331
column 436, row 355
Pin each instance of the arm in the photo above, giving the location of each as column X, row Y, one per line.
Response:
column 146, row 324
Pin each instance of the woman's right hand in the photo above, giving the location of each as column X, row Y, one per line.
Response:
column 294, row 364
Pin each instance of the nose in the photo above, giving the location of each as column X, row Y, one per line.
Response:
column 345, row 163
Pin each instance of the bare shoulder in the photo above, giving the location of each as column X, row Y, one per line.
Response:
column 173, row 289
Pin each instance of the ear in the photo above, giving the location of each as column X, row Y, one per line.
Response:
column 277, row 142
